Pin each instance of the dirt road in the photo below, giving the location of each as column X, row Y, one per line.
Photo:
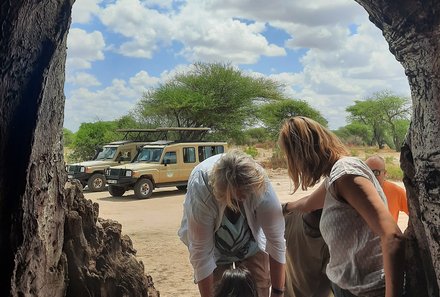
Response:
column 152, row 225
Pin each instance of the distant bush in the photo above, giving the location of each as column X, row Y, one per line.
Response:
column 265, row 145
column 354, row 152
column 393, row 168
column 252, row 151
column 371, row 151
column 389, row 160
column 394, row 172
column 278, row 160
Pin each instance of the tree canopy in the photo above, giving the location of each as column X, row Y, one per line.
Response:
column 215, row 95
column 273, row 114
column 385, row 116
column 91, row 136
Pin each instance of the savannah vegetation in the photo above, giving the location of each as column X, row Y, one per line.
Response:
column 246, row 111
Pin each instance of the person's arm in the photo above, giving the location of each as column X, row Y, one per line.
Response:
column 206, row 286
column 308, row 203
column 361, row 194
column 271, row 219
column 277, row 276
column 202, row 213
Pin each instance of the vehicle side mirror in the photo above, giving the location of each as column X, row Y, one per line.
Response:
column 166, row 161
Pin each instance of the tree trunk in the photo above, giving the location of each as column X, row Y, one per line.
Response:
column 45, row 236
column 412, row 30
column 32, row 174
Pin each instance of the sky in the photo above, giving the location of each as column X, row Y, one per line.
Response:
column 326, row 53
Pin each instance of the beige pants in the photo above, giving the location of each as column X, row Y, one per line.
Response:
column 306, row 259
column 258, row 265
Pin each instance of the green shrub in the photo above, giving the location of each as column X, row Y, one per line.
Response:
column 394, row 172
column 252, row 151
column 371, row 151
column 354, row 152
column 389, row 160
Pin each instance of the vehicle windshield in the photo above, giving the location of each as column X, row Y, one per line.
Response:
column 149, row 154
column 108, row 152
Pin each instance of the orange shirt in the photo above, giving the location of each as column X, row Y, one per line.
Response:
column 396, row 197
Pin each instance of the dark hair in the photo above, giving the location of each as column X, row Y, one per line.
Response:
column 236, row 282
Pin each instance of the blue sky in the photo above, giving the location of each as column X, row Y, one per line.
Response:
column 324, row 52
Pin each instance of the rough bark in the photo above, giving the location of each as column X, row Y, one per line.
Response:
column 34, row 212
column 412, row 30
column 32, row 58
column 101, row 261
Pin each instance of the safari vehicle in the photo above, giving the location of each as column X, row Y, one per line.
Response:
column 91, row 173
column 160, row 164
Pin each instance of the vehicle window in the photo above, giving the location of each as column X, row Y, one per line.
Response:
column 107, row 153
column 208, row 151
column 189, row 155
column 170, row 158
column 148, row 154
column 126, row 156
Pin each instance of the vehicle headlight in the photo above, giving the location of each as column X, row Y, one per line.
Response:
column 107, row 171
column 82, row 169
column 128, row 173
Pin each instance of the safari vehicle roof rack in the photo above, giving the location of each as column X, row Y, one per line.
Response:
column 165, row 133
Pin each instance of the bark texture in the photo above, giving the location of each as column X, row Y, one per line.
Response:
column 32, row 58
column 412, row 30
column 51, row 243
column 101, row 261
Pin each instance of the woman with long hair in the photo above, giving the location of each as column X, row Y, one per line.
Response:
column 365, row 244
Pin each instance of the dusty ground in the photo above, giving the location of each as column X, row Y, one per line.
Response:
column 152, row 225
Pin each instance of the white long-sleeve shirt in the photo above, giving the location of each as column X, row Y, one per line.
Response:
column 202, row 216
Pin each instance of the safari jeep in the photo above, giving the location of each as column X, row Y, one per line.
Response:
column 160, row 164
column 91, row 173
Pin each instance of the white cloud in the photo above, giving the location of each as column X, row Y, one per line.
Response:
column 324, row 38
column 108, row 103
column 341, row 64
column 204, row 35
column 160, row 3
column 142, row 81
column 306, row 12
column 82, row 79
column 83, row 10
column 144, row 27
column 84, row 48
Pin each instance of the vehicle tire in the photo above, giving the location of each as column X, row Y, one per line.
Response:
column 96, row 182
column 116, row 191
column 143, row 188
column 181, row 188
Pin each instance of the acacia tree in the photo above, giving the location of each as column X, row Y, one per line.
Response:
column 273, row 114
column 368, row 113
column 217, row 96
column 411, row 28
column 383, row 112
column 355, row 133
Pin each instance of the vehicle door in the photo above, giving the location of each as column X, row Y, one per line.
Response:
column 189, row 161
column 170, row 169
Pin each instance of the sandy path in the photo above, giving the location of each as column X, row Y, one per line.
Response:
column 152, row 225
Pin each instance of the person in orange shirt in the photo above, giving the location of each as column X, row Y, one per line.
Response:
column 396, row 195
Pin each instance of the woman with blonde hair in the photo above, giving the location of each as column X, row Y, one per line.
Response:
column 232, row 215
column 365, row 244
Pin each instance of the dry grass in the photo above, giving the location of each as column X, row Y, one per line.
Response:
column 270, row 157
